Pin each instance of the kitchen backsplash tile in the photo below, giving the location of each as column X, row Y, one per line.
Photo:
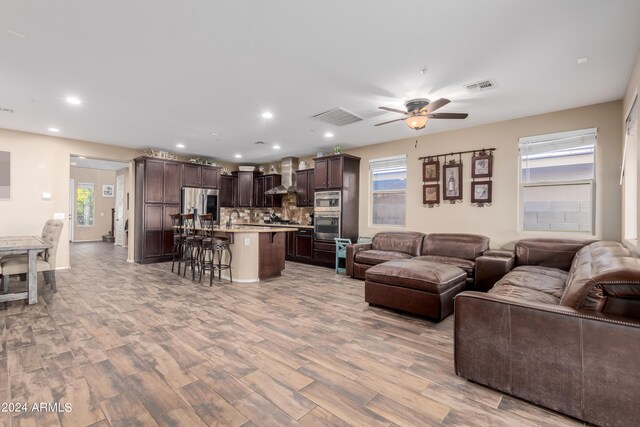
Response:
column 288, row 211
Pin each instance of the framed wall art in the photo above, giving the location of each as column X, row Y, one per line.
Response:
column 431, row 171
column 5, row 175
column 452, row 182
column 481, row 192
column 108, row 191
column 482, row 166
column 431, row 194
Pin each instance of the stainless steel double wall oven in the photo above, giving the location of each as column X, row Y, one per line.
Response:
column 327, row 215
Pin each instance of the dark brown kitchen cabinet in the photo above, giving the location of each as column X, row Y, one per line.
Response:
column 261, row 184
column 228, row 191
column 200, row 176
column 330, row 171
column 162, row 184
column 245, row 189
column 300, row 245
column 157, row 184
column 305, row 187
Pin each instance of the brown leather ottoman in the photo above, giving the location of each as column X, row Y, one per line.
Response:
column 424, row 288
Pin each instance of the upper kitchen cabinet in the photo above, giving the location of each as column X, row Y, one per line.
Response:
column 261, row 184
column 335, row 172
column 305, row 187
column 228, row 191
column 201, row 176
column 162, row 183
column 245, row 189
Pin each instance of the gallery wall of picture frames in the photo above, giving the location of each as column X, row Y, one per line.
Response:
column 446, row 179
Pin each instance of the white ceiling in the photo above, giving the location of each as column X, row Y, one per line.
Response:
column 152, row 74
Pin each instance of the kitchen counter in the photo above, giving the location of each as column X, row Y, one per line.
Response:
column 260, row 224
column 257, row 228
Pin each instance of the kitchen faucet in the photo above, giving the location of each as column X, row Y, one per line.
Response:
column 231, row 214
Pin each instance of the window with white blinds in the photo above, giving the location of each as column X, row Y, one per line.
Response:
column 557, row 181
column 388, row 190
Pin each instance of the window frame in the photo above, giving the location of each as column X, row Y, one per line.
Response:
column 559, row 183
column 372, row 193
column 93, row 206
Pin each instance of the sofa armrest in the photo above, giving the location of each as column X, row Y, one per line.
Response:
column 352, row 250
column 490, row 268
column 577, row 362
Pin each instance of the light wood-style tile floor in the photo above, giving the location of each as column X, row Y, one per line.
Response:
column 128, row 344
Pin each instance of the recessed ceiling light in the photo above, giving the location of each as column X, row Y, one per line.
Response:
column 238, row 156
column 276, row 147
column 180, row 145
column 267, row 115
column 328, row 135
column 583, row 60
column 214, row 133
column 73, row 100
column 54, row 130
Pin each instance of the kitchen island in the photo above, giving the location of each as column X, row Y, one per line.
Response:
column 257, row 252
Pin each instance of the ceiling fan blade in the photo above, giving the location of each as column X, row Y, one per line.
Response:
column 390, row 121
column 393, row 110
column 433, row 106
column 448, row 116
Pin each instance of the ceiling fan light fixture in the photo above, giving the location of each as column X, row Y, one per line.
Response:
column 416, row 122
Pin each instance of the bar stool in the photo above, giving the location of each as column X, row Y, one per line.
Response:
column 178, row 240
column 341, row 253
column 206, row 233
column 191, row 243
column 216, row 246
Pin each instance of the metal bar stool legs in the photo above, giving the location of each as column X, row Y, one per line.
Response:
column 212, row 258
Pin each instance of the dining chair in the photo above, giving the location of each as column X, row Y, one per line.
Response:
column 45, row 262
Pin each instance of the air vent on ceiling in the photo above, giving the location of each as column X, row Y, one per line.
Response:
column 481, row 86
column 338, row 117
column 7, row 110
column 260, row 143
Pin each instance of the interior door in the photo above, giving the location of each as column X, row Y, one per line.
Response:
column 72, row 204
column 120, row 219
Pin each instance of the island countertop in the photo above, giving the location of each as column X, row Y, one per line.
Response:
column 247, row 228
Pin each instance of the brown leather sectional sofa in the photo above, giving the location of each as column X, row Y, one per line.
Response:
column 416, row 273
column 458, row 249
column 560, row 329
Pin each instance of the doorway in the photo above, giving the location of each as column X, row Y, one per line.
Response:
column 97, row 207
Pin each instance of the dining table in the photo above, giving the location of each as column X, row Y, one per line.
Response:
column 31, row 246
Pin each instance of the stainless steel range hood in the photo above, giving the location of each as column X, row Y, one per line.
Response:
column 288, row 169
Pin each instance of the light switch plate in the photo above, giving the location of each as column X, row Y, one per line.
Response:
column 46, row 196
column 59, row 215
column 247, row 241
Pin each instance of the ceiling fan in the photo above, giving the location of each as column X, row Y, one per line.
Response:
column 420, row 110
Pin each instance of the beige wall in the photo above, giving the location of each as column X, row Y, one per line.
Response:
column 102, row 205
column 500, row 221
column 40, row 163
column 627, row 102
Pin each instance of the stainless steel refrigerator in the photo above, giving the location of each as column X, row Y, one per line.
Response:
column 200, row 201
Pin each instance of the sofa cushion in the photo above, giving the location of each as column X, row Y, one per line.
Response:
column 455, row 245
column 414, row 274
column 523, row 294
column 601, row 270
column 374, row 257
column 554, row 253
column 408, row 242
column 550, row 281
column 465, row 264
